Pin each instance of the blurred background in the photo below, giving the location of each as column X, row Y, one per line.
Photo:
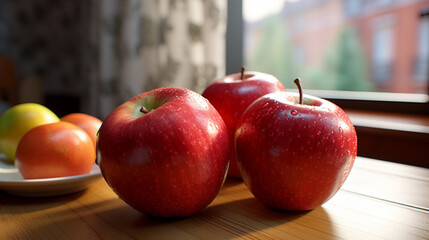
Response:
column 352, row 45
column 90, row 56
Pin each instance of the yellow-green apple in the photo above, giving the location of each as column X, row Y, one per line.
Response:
column 294, row 154
column 164, row 152
column 232, row 94
column 17, row 121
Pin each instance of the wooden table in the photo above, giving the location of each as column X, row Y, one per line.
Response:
column 379, row 200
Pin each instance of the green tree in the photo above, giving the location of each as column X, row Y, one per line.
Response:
column 345, row 63
column 273, row 51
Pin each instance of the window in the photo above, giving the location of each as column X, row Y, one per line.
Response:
column 371, row 53
column 353, row 7
column 383, row 49
column 422, row 60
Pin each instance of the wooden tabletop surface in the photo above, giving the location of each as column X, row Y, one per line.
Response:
column 380, row 200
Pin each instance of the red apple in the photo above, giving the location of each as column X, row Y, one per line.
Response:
column 232, row 94
column 164, row 152
column 292, row 155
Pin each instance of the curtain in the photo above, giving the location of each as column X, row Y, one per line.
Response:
column 147, row 44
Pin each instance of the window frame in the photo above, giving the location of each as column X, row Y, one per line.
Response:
column 417, row 104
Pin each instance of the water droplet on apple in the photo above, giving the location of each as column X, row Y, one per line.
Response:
column 294, row 112
column 341, row 130
column 286, row 114
column 318, row 133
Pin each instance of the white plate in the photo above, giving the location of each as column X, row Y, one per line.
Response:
column 12, row 182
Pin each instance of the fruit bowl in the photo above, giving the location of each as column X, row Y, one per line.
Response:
column 12, row 182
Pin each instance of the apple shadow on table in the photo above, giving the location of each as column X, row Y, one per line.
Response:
column 247, row 216
column 236, row 219
column 232, row 182
column 223, row 221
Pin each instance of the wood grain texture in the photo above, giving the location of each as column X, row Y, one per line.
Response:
column 379, row 201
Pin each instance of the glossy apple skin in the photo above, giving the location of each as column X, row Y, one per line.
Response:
column 293, row 156
column 170, row 162
column 231, row 96
column 55, row 150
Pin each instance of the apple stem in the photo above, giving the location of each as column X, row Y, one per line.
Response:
column 144, row 110
column 242, row 72
column 297, row 82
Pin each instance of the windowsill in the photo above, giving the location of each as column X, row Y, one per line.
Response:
column 395, row 137
column 389, row 121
